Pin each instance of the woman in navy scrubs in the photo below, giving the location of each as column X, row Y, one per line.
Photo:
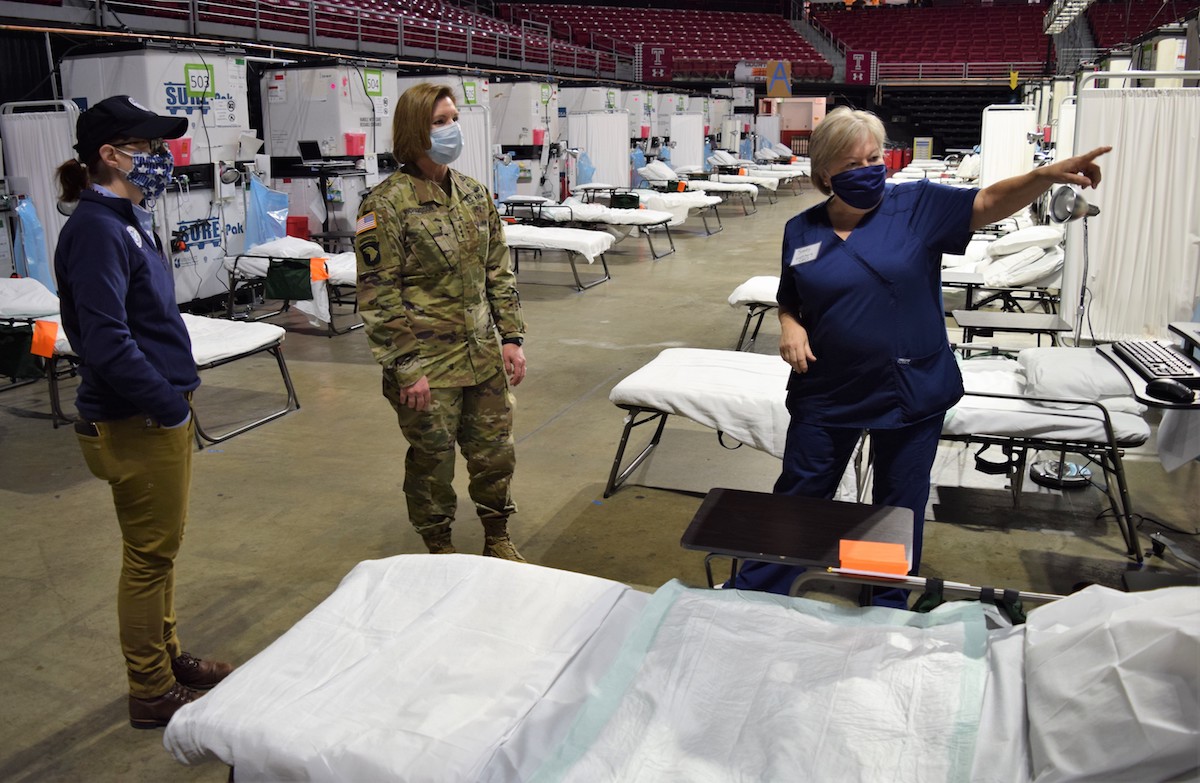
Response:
column 862, row 324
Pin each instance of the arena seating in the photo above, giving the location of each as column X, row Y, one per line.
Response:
column 1115, row 23
column 948, row 34
column 702, row 42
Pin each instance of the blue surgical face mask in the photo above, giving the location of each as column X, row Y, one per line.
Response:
column 446, row 144
column 151, row 172
column 861, row 188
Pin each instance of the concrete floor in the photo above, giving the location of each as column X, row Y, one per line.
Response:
column 281, row 513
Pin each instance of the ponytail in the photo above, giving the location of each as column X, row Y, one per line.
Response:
column 73, row 179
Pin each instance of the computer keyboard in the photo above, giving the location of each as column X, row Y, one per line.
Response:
column 1152, row 360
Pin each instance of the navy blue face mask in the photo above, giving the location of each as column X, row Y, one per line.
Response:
column 861, row 188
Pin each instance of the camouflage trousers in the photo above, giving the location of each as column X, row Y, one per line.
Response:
column 477, row 418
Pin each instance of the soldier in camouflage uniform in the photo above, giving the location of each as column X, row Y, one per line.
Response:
column 437, row 294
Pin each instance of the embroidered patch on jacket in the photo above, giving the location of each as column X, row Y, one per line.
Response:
column 365, row 223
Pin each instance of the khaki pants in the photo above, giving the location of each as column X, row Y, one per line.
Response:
column 479, row 419
column 150, row 470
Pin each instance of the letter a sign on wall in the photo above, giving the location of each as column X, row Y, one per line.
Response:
column 860, row 68
column 779, row 79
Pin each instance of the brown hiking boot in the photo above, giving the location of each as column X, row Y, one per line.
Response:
column 197, row 674
column 437, row 540
column 156, row 712
column 496, row 542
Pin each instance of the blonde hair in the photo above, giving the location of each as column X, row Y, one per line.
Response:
column 835, row 136
column 414, row 116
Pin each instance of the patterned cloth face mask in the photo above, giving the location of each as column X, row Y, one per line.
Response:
column 151, row 171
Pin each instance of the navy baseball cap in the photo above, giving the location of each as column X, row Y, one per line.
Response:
column 121, row 117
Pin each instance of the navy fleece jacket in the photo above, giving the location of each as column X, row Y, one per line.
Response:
column 117, row 294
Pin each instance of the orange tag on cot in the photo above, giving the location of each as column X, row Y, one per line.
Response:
column 873, row 556
column 44, row 335
column 317, row 269
column 679, row 186
column 741, row 172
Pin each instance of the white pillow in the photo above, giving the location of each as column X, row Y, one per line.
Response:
column 1071, row 373
column 1033, row 236
column 656, row 170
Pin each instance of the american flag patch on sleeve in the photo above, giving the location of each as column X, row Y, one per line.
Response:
column 365, row 223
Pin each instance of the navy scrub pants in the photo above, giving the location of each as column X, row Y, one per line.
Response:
column 814, row 459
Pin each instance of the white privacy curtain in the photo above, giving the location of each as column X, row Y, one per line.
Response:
column 1005, row 149
column 687, row 134
column 38, row 138
column 1064, row 136
column 1144, row 246
column 604, row 136
column 476, row 158
column 768, row 130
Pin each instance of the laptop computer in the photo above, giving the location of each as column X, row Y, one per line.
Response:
column 310, row 153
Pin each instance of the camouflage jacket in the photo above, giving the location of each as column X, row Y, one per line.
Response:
column 434, row 280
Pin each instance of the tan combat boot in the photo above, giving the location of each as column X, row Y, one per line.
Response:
column 496, row 542
column 437, row 540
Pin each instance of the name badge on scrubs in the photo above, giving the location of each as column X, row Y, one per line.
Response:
column 802, row 255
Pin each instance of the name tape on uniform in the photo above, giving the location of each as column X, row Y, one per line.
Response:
column 802, row 255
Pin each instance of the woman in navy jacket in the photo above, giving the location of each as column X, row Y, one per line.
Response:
column 862, row 323
column 137, row 374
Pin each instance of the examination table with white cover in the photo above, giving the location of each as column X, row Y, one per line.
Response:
column 447, row 668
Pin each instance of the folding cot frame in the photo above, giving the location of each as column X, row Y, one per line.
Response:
column 1107, row 455
column 701, row 212
column 338, row 296
column 536, row 216
column 515, row 251
column 58, row 416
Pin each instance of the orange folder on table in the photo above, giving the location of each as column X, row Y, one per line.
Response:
column 873, row 556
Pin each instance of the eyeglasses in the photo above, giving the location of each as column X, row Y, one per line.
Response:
column 153, row 146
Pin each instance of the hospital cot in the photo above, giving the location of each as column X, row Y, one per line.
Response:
column 660, row 176
column 1065, row 399
column 305, row 274
column 574, row 213
column 574, row 242
column 463, row 668
column 215, row 342
column 680, row 204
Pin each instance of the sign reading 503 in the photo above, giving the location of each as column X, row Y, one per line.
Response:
column 198, row 80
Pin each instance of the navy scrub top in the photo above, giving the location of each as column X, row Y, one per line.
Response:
column 872, row 305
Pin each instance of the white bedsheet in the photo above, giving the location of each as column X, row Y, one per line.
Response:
column 213, row 339
column 989, row 416
column 742, row 394
column 761, row 289
column 588, row 244
column 25, row 297
column 679, row 205
column 417, row 668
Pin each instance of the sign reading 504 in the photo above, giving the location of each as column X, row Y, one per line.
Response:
column 373, row 82
column 198, row 80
